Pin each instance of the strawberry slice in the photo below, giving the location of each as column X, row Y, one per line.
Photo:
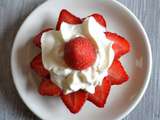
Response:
column 74, row 101
column 48, row 88
column 37, row 66
column 37, row 38
column 120, row 46
column 101, row 93
column 99, row 18
column 117, row 74
column 66, row 16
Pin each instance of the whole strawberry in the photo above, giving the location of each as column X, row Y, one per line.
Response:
column 79, row 53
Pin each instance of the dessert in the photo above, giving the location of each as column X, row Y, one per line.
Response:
column 79, row 60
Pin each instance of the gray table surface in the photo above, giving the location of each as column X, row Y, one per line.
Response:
column 12, row 14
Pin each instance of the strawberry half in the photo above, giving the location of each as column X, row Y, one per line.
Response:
column 37, row 38
column 66, row 16
column 101, row 93
column 74, row 101
column 48, row 88
column 117, row 74
column 120, row 46
column 37, row 66
column 99, row 18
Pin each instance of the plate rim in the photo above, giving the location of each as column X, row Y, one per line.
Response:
column 149, row 53
column 149, row 50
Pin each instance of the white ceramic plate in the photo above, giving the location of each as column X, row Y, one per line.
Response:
column 122, row 99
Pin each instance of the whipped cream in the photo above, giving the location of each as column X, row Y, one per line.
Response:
column 69, row 80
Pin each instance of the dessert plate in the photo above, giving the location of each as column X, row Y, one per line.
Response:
column 122, row 99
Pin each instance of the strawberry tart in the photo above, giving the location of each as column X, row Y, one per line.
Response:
column 79, row 60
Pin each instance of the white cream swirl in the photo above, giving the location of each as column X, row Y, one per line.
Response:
column 52, row 44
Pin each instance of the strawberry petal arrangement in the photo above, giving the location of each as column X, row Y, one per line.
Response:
column 72, row 69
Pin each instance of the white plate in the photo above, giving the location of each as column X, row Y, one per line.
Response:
column 122, row 99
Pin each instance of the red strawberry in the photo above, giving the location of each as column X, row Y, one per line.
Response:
column 79, row 53
column 66, row 16
column 48, row 88
column 74, row 101
column 99, row 18
column 37, row 38
column 37, row 66
column 117, row 74
column 120, row 46
column 101, row 93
